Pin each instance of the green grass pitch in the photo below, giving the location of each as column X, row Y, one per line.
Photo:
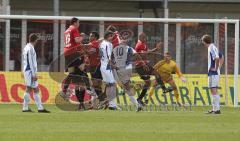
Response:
column 118, row 126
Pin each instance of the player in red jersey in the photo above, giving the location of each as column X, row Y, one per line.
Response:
column 94, row 65
column 141, row 47
column 74, row 62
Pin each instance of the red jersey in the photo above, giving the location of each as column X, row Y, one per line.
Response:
column 116, row 39
column 94, row 57
column 69, row 39
column 141, row 48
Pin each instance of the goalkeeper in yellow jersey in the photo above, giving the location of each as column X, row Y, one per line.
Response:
column 165, row 68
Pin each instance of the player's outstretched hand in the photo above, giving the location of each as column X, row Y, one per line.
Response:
column 183, row 79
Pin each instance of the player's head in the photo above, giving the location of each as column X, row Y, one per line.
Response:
column 108, row 35
column 167, row 56
column 75, row 22
column 206, row 40
column 142, row 37
column 33, row 38
column 93, row 36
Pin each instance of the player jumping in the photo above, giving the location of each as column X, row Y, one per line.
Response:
column 141, row 47
column 74, row 59
column 165, row 68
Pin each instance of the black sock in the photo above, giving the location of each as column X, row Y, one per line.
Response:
column 80, row 95
column 143, row 93
column 66, row 82
column 87, row 82
column 100, row 95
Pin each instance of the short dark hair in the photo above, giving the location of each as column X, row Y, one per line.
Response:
column 168, row 53
column 207, row 39
column 32, row 37
column 74, row 20
column 96, row 35
column 107, row 34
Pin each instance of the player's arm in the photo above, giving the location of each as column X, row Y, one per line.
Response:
column 179, row 73
column 221, row 60
column 139, row 58
column 215, row 56
column 157, row 48
column 33, row 64
column 153, row 50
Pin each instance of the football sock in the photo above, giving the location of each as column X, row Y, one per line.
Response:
column 38, row 101
column 26, row 100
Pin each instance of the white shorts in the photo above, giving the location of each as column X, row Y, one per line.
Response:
column 107, row 75
column 213, row 81
column 28, row 80
column 124, row 75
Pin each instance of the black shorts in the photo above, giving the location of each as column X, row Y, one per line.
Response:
column 144, row 75
column 96, row 72
column 79, row 76
column 73, row 60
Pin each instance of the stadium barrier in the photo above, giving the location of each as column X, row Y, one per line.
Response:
column 194, row 92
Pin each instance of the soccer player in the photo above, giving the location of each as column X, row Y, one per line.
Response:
column 30, row 75
column 165, row 68
column 74, row 59
column 106, row 68
column 94, row 67
column 213, row 73
column 72, row 41
column 141, row 47
column 122, row 54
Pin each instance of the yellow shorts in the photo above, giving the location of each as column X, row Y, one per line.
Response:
column 166, row 77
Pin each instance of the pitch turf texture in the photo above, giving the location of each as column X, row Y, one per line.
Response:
column 118, row 126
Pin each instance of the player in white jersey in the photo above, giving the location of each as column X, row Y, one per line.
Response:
column 106, row 68
column 30, row 75
column 213, row 73
column 122, row 54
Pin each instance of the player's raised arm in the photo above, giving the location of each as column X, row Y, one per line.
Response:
column 157, row 48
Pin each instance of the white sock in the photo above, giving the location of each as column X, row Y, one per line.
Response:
column 133, row 100
column 26, row 100
column 112, row 103
column 214, row 102
column 218, row 102
column 94, row 101
column 38, row 101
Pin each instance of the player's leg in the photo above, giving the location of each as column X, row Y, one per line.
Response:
column 151, row 92
column 26, row 97
column 71, row 61
column 213, row 84
column 80, row 93
column 97, row 85
column 111, row 95
column 26, row 100
column 110, row 91
column 38, row 101
column 159, row 80
column 172, row 83
column 124, row 78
